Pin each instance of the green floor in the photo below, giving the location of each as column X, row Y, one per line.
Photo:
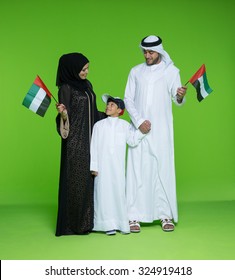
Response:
column 206, row 231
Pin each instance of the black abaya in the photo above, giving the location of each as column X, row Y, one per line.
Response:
column 75, row 204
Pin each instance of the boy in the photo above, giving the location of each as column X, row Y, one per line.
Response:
column 108, row 153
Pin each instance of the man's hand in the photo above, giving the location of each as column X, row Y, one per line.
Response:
column 145, row 127
column 181, row 93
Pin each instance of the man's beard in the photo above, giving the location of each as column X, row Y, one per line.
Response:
column 156, row 61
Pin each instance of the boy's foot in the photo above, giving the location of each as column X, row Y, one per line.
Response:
column 167, row 225
column 123, row 232
column 134, row 226
column 111, row 232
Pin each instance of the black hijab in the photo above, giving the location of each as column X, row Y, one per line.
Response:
column 70, row 65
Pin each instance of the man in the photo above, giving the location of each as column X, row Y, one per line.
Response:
column 151, row 187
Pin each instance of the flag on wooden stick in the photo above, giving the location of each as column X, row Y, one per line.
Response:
column 199, row 81
column 38, row 98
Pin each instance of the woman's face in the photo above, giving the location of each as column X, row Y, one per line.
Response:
column 84, row 71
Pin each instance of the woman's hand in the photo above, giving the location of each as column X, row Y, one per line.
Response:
column 62, row 110
column 60, row 107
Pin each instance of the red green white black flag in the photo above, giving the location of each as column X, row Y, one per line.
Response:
column 38, row 97
column 199, row 81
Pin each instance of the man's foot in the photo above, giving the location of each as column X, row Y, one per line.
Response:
column 134, row 226
column 111, row 232
column 167, row 225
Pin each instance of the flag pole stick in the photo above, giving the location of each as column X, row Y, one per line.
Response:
column 49, row 93
column 54, row 98
column 186, row 83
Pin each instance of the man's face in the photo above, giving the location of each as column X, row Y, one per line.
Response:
column 151, row 57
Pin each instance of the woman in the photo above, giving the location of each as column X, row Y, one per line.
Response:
column 77, row 115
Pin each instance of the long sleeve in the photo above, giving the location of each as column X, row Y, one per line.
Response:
column 134, row 136
column 94, row 149
column 64, row 98
column 97, row 114
column 129, row 100
column 175, row 84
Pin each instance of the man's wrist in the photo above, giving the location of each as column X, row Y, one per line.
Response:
column 179, row 98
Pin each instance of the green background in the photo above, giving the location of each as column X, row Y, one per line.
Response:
column 33, row 36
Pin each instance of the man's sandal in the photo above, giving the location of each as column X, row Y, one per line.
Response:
column 134, row 226
column 167, row 225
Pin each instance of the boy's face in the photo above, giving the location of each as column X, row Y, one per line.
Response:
column 112, row 109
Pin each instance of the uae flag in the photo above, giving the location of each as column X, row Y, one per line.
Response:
column 199, row 81
column 38, row 97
